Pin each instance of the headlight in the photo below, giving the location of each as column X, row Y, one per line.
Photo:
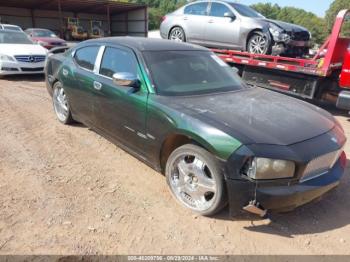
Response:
column 265, row 168
column 275, row 30
column 6, row 58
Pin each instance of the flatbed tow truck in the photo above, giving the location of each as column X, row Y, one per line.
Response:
column 324, row 77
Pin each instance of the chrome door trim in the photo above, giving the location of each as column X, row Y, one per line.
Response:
column 99, row 60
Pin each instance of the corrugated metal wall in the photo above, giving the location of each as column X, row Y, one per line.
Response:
column 133, row 23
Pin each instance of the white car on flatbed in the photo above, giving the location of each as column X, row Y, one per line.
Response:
column 19, row 55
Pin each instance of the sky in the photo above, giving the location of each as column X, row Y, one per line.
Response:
column 319, row 7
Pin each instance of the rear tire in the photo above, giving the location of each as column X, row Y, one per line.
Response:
column 259, row 43
column 60, row 104
column 177, row 34
column 195, row 180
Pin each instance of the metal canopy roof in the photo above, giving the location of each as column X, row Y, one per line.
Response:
column 76, row 6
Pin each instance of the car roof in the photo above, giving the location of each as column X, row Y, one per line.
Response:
column 11, row 31
column 148, row 44
column 10, row 25
column 37, row 29
column 223, row 1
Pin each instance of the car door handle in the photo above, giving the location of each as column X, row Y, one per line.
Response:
column 65, row 72
column 97, row 85
column 185, row 18
column 211, row 21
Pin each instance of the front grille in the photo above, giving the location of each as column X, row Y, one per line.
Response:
column 301, row 36
column 30, row 58
column 36, row 69
column 320, row 165
column 9, row 69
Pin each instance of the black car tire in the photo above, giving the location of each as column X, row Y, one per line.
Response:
column 177, row 34
column 255, row 40
column 219, row 200
column 66, row 118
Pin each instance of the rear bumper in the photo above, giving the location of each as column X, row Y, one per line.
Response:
column 54, row 46
column 343, row 101
column 281, row 197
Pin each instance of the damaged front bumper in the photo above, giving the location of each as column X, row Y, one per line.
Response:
column 290, row 47
column 289, row 193
column 281, row 196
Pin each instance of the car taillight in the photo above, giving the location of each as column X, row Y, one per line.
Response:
column 343, row 160
column 163, row 18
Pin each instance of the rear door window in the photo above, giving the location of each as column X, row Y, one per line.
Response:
column 197, row 9
column 219, row 10
column 85, row 57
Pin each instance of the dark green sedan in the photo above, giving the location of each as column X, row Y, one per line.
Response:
column 180, row 109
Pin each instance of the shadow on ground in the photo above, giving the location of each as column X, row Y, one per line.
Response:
column 24, row 78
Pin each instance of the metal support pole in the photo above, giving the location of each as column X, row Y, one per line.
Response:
column 60, row 17
column 32, row 16
column 109, row 21
column 127, row 23
column 146, row 22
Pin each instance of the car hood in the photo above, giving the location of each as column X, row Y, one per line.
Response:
column 49, row 39
column 287, row 26
column 15, row 49
column 257, row 116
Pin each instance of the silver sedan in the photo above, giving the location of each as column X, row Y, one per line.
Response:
column 225, row 24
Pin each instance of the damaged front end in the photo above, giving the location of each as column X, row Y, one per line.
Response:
column 294, row 43
column 261, row 184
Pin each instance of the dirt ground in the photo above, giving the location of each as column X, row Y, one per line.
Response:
column 66, row 190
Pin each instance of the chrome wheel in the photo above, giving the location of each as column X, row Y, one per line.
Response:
column 258, row 44
column 177, row 34
column 192, row 182
column 60, row 104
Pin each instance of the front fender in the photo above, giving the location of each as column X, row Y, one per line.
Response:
column 214, row 140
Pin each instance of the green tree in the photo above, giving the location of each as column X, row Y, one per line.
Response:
column 332, row 12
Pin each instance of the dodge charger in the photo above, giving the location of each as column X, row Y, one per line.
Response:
column 180, row 109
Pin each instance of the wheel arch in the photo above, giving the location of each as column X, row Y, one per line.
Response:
column 176, row 140
column 177, row 25
column 249, row 35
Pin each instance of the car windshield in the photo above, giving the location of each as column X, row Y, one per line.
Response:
column 246, row 11
column 181, row 73
column 10, row 27
column 14, row 38
column 43, row 33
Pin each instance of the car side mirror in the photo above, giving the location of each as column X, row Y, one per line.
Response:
column 126, row 79
column 230, row 15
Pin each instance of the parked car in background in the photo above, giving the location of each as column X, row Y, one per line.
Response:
column 230, row 25
column 45, row 37
column 183, row 111
column 10, row 27
column 19, row 55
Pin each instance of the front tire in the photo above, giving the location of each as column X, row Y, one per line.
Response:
column 195, row 180
column 60, row 104
column 177, row 34
column 259, row 43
